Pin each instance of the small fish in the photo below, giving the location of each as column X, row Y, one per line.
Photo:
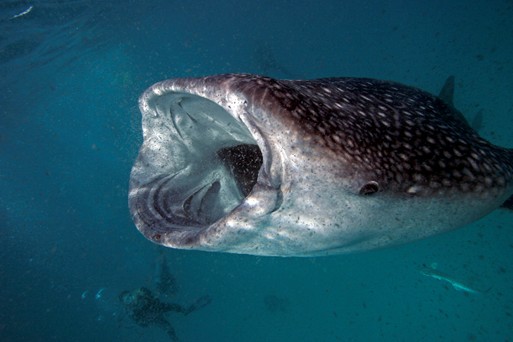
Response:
column 99, row 294
column 25, row 12
column 431, row 271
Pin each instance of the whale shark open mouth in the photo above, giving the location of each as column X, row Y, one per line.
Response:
column 196, row 165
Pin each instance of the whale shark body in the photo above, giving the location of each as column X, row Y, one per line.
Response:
column 249, row 164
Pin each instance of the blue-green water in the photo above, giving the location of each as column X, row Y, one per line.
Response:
column 70, row 76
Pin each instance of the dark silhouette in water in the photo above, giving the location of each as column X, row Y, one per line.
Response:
column 275, row 304
column 147, row 310
column 266, row 62
column 165, row 282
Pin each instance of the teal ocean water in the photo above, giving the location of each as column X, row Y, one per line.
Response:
column 70, row 76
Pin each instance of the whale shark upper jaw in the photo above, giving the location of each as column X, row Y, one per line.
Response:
column 249, row 164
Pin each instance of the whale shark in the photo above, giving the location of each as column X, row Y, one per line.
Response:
column 249, row 164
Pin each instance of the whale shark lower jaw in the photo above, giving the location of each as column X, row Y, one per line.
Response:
column 248, row 164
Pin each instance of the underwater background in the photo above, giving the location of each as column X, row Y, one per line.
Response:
column 70, row 76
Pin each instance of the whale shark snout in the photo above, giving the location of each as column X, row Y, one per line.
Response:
column 249, row 164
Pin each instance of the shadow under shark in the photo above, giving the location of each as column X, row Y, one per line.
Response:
column 248, row 164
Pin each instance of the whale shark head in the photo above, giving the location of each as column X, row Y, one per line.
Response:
column 249, row 164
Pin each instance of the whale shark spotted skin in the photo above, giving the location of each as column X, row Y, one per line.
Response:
column 249, row 164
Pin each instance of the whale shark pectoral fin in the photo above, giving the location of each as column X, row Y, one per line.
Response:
column 508, row 204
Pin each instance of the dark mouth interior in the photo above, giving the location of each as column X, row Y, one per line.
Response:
column 244, row 162
column 210, row 162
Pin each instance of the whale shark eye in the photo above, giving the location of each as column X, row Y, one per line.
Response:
column 369, row 188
